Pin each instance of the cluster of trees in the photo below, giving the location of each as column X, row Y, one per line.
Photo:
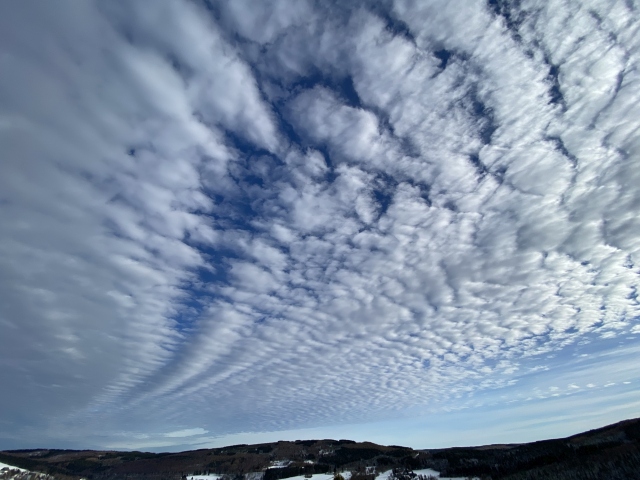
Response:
column 295, row 470
column 351, row 455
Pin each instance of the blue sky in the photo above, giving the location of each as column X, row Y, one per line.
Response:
column 407, row 222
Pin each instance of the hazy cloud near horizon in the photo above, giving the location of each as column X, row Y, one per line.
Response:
column 220, row 218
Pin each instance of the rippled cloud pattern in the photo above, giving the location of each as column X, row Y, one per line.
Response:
column 230, row 217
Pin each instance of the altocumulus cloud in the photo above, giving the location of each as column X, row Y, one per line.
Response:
column 226, row 217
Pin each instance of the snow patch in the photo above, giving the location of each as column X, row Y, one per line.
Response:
column 320, row 476
column 11, row 467
column 211, row 476
column 426, row 472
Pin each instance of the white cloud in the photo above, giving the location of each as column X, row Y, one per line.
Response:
column 293, row 216
column 187, row 432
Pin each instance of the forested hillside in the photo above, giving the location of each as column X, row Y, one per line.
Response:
column 611, row 453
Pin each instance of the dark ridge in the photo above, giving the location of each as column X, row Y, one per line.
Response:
column 306, row 443
column 612, row 452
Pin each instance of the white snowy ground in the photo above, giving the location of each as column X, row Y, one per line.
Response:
column 211, row 476
column 317, row 476
column 329, row 476
column 426, row 472
column 3, row 465
column 321, row 476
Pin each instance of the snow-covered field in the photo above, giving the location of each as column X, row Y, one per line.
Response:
column 9, row 472
column 320, row 476
column 329, row 476
column 11, row 467
column 317, row 476
column 211, row 476
column 426, row 472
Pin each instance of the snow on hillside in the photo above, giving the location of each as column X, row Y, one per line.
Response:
column 426, row 472
column 320, row 476
column 211, row 476
column 11, row 467
column 9, row 472
column 329, row 476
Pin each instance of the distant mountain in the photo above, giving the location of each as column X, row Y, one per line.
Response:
column 611, row 453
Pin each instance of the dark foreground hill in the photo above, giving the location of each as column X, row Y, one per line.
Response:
column 611, row 453
column 608, row 453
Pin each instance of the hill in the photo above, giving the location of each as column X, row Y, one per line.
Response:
column 611, row 452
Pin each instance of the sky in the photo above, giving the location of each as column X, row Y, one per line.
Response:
column 409, row 222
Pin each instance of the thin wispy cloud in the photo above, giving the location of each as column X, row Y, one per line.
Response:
column 233, row 218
